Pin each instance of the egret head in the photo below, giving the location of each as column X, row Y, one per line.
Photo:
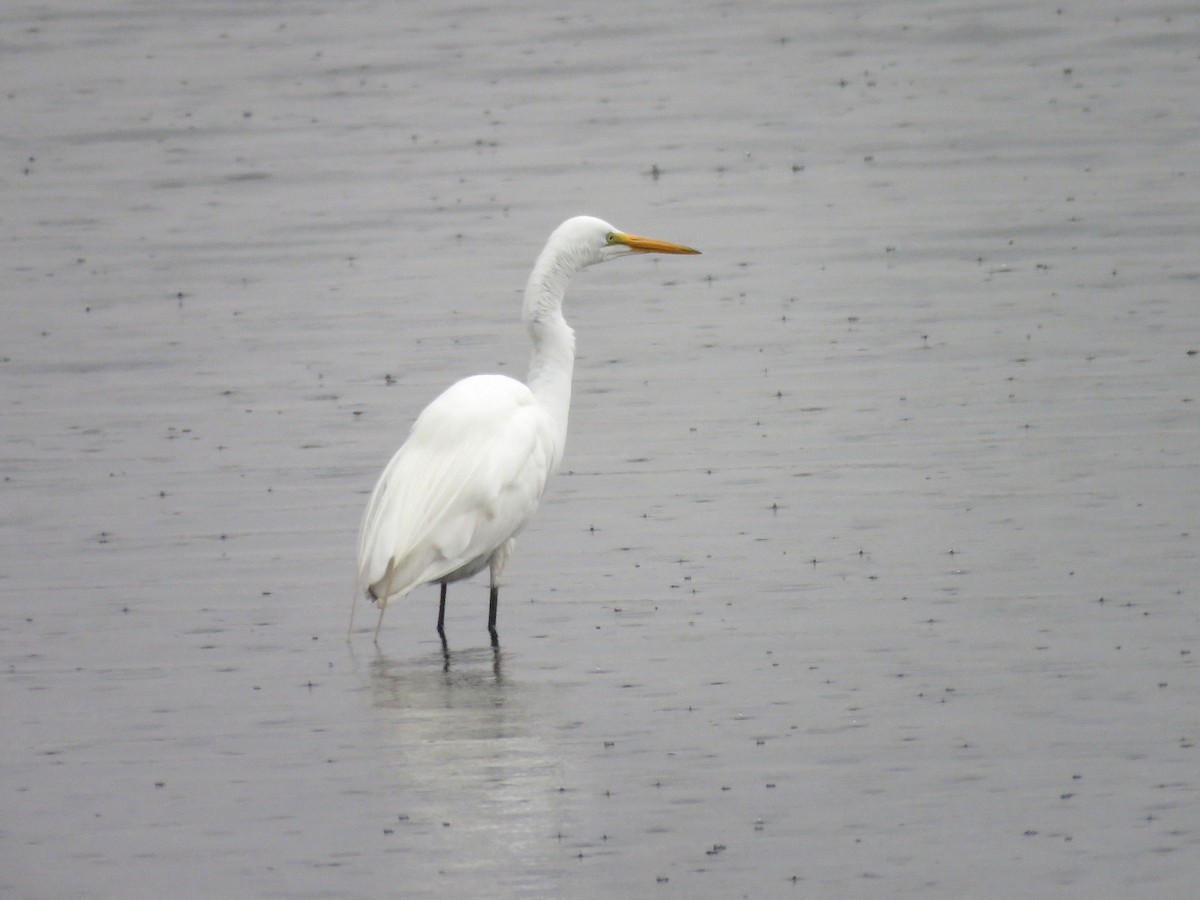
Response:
column 593, row 240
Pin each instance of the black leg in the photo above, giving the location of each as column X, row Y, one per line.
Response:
column 442, row 614
column 493, row 601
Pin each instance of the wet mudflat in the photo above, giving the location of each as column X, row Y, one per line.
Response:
column 872, row 570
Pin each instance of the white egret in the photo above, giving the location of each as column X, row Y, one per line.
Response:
column 468, row 479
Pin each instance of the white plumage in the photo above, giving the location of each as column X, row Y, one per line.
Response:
column 466, row 481
column 469, row 478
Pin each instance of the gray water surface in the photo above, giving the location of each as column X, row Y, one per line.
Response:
column 872, row 570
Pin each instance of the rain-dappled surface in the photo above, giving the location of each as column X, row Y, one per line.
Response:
column 872, row 569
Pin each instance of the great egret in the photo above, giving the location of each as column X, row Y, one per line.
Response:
column 466, row 482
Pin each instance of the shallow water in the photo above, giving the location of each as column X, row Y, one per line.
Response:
column 872, row 567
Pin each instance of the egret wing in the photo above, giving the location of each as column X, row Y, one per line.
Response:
column 467, row 480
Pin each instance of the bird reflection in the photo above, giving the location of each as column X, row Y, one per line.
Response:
column 441, row 678
column 448, row 656
column 463, row 758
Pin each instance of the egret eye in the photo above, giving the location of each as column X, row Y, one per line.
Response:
column 610, row 238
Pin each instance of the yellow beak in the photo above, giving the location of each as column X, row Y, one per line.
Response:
column 648, row 245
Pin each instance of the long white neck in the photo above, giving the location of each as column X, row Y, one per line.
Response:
column 553, row 359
